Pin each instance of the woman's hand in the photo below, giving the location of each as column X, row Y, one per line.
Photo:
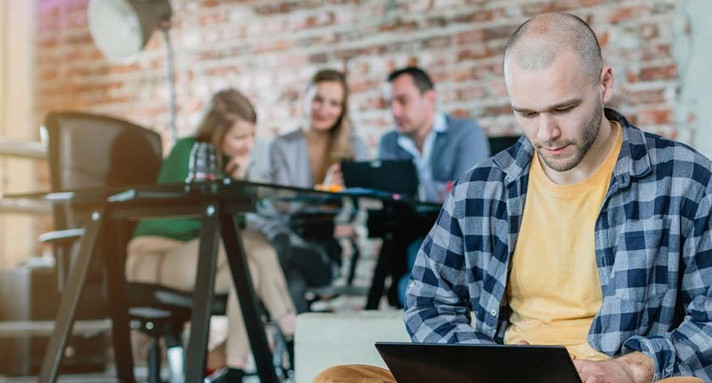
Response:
column 237, row 166
column 344, row 231
column 334, row 175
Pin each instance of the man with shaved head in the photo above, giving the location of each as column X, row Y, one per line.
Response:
column 587, row 233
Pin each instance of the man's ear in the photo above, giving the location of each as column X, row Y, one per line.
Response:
column 607, row 84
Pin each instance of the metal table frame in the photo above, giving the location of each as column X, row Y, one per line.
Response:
column 217, row 211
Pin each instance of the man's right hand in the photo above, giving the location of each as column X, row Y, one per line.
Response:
column 631, row 368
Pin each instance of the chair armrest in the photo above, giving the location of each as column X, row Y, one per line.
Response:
column 62, row 240
column 60, row 237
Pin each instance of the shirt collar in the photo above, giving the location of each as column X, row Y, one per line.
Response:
column 439, row 123
column 407, row 143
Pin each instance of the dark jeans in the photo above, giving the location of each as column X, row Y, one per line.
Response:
column 308, row 265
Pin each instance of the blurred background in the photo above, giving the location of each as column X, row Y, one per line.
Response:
column 659, row 51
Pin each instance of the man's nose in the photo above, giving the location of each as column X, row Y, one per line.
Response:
column 396, row 109
column 548, row 128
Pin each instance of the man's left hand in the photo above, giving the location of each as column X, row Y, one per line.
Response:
column 632, row 368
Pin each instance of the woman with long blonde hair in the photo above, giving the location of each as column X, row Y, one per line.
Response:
column 308, row 156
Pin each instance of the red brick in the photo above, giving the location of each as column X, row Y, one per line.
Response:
column 373, row 103
column 628, row 13
column 214, row 18
column 471, row 93
column 318, row 58
column 497, row 110
column 654, row 96
column 566, row 5
column 656, row 52
column 475, row 53
column 437, row 42
column 533, row 9
column 655, row 117
column 603, row 39
column 666, row 72
column 502, row 32
column 470, row 37
column 649, row 31
column 83, row 39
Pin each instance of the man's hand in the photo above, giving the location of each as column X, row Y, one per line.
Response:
column 632, row 368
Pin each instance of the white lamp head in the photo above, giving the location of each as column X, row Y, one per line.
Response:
column 121, row 28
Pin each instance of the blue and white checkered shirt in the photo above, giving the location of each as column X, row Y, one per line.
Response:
column 653, row 251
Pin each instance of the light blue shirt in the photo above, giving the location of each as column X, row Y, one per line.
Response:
column 428, row 189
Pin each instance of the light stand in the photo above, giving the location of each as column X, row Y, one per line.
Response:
column 121, row 29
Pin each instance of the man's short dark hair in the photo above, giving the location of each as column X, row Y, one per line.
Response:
column 420, row 78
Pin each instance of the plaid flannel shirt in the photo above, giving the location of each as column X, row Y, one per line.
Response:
column 653, row 253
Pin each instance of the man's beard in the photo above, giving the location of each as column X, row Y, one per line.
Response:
column 590, row 132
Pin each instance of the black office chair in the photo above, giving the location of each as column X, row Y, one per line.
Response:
column 499, row 143
column 90, row 151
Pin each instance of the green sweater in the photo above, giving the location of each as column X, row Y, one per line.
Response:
column 174, row 169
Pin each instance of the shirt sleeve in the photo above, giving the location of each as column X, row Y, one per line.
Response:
column 277, row 164
column 175, row 166
column 473, row 148
column 385, row 151
column 687, row 349
column 437, row 308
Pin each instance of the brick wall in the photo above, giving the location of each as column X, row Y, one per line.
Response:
column 269, row 50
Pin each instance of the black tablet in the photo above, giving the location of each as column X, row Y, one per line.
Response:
column 444, row 363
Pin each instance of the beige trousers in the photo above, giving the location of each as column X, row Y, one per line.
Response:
column 359, row 373
column 173, row 264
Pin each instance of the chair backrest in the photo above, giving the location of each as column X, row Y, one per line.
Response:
column 91, row 151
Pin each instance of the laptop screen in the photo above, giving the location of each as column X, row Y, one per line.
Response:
column 468, row 363
column 393, row 176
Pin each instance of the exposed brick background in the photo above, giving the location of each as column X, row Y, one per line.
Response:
column 269, row 50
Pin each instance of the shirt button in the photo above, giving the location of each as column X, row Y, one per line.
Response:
column 494, row 313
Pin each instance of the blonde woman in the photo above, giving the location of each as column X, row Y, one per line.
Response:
column 308, row 156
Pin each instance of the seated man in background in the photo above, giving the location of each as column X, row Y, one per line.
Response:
column 441, row 146
column 588, row 233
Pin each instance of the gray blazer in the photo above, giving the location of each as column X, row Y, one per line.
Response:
column 455, row 150
column 289, row 165
column 289, row 160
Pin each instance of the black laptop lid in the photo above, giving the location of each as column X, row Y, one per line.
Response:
column 394, row 176
column 443, row 363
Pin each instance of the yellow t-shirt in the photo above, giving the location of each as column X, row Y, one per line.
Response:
column 553, row 288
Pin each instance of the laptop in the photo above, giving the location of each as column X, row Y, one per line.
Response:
column 445, row 363
column 393, row 176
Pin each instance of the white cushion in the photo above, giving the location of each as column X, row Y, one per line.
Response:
column 323, row 340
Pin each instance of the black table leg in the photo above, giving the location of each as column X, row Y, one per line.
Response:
column 69, row 300
column 203, row 295
column 248, row 302
column 118, row 307
column 380, row 273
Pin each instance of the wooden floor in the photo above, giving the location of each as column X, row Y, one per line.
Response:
column 106, row 377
